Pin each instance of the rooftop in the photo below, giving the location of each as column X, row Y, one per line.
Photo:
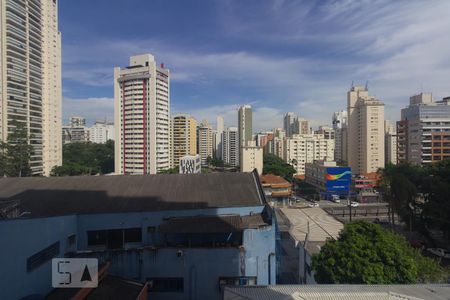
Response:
column 339, row 291
column 271, row 179
column 56, row 196
column 320, row 225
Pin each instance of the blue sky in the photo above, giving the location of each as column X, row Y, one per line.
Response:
column 279, row 56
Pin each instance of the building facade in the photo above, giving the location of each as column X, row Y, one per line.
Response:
column 101, row 132
column 251, row 158
column 76, row 131
column 218, row 145
column 390, row 143
column 142, row 116
column 230, row 152
column 154, row 229
column 245, row 125
column 30, row 78
column 184, row 137
column 340, row 128
column 365, row 134
column 277, row 189
column 330, row 178
column 307, row 148
column 190, row 164
column 205, row 142
column 424, row 130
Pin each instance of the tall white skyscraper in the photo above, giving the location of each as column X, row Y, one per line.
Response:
column 245, row 125
column 205, row 142
column 218, row 137
column 290, row 124
column 365, row 134
column 390, row 143
column 230, row 152
column 30, row 77
column 340, row 129
column 142, row 116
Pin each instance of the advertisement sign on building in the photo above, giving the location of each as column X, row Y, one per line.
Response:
column 338, row 179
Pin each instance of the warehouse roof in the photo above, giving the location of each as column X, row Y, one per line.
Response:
column 54, row 196
column 339, row 291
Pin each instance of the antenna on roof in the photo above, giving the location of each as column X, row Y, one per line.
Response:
column 367, row 85
column 352, row 85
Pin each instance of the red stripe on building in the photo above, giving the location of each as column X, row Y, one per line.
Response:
column 124, row 127
column 144, row 117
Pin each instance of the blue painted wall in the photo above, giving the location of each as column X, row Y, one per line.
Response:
column 20, row 239
column 200, row 267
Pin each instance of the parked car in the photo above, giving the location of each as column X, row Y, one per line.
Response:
column 313, row 204
column 439, row 252
column 354, row 204
column 335, row 199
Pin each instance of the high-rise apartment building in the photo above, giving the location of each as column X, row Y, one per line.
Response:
column 101, row 132
column 390, row 143
column 252, row 158
column 142, row 116
column 30, row 77
column 218, row 145
column 327, row 132
column 424, row 130
column 292, row 124
column 184, row 137
column 205, row 142
column 307, row 148
column 340, row 129
column 365, row 134
column 230, row 152
column 76, row 131
column 245, row 125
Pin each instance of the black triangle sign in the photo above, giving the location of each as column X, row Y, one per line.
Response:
column 86, row 275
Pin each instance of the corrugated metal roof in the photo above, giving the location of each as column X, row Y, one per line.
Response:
column 202, row 224
column 110, row 194
column 338, row 292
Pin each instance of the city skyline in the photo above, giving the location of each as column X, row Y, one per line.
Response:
column 306, row 70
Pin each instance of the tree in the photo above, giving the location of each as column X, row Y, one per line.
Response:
column 175, row 170
column 365, row 253
column 16, row 153
column 275, row 165
column 86, row 159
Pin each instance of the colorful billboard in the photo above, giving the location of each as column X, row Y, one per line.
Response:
column 338, row 179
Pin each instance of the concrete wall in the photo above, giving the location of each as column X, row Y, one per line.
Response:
column 200, row 267
column 20, row 239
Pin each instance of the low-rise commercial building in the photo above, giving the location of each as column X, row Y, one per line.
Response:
column 190, row 164
column 187, row 236
column 329, row 178
column 276, row 188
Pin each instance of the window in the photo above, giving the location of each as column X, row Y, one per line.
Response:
column 41, row 257
column 133, row 235
column 96, row 237
column 167, row 284
column 237, row 281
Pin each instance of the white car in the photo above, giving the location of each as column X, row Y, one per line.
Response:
column 439, row 252
column 313, row 204
column 354, row 204
column 335, row 199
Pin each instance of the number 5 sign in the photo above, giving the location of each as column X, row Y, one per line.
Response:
column 74, row 272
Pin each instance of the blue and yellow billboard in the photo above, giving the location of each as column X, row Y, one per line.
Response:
column 338, row 179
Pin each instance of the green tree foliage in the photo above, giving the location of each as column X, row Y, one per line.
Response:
column 175, row 170
column 86, row 159
column 275, row 165
column 365, row 253
column 419, row 195
column 15, row 154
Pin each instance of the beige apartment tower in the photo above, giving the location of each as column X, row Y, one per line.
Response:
column 30, row 77
column 184, row 136
column 365, row 133
column 205, row 142
column 142, row 117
